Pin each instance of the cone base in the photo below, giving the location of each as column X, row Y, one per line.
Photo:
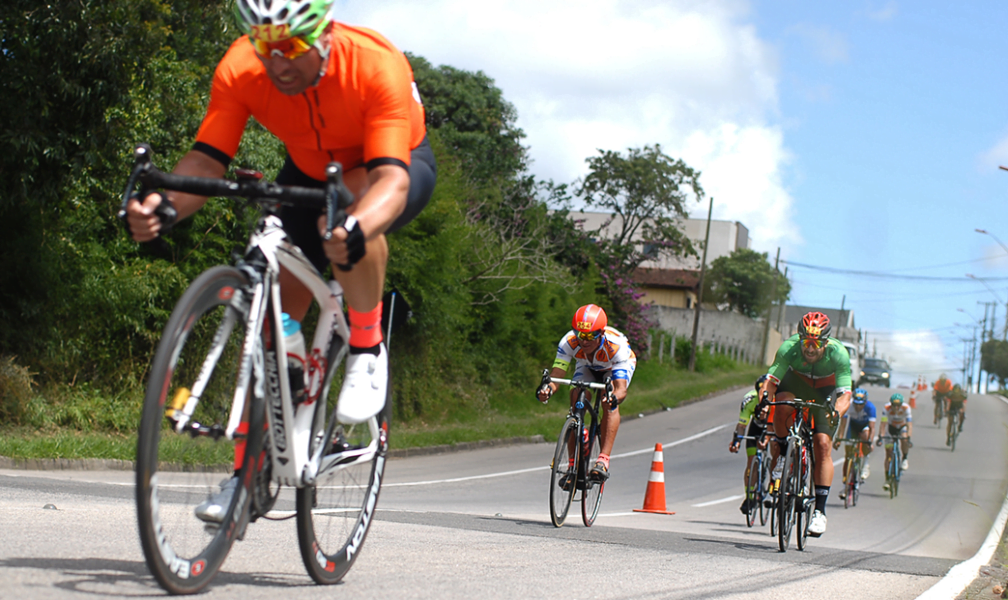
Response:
column 654, row 511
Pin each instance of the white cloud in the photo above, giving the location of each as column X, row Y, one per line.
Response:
column 885, row 13
column 831, row 47
column 692, row 76
column 914, row 352
column 994, row 157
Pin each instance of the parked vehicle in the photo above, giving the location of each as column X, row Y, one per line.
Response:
column 855, row 364
column 874, row 370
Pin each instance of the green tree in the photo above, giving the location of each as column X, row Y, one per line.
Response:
column 647, row 193
column 994, row 359
column 743, row 282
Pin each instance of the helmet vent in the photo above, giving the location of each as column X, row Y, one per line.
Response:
column 283, row 14
column 303, row 10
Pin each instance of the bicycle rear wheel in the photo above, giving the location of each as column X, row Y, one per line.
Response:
column 563, row 470
column 786, row 497
column 335, row 513
column 200, row 348
column 591, row 497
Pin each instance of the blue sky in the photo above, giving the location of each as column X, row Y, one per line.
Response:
column 893, row 114
column 856, row 136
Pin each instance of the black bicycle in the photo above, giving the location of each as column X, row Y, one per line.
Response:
column 954, row 431
column 757, row 485
column 221, row 376
column 796, row 496
column 576, row 451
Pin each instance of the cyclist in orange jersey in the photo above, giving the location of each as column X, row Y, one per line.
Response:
column 329, row 92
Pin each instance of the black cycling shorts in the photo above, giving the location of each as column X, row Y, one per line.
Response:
column 755, row 431
column 301, row 224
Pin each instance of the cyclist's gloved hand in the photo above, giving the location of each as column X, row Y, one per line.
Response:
column 909, row 443
column 613, row 403
column 345, row 245
column 544, row 393
column 878, row 442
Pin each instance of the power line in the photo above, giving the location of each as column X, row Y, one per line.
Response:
column 884, row 275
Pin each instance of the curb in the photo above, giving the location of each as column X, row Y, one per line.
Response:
column 111, row 464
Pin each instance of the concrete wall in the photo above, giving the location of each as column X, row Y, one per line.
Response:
column 729, row 332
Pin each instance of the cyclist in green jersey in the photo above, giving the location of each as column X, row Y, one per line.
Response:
column 813, row 367
column 756, row 422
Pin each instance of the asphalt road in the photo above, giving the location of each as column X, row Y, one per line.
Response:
column 477, row 524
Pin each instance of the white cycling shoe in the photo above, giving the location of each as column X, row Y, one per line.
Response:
column 905, row 464
column 866, row 471
column 214, row 508
column 364, row 387
column 817, row 526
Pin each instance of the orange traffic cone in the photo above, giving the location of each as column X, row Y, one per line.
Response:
column 654, row 496
column 913, row 398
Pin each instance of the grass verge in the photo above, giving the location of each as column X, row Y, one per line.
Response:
column 655, row 387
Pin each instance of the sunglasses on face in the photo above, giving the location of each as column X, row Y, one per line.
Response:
column 588, row 335
column 290, row 48
column 814, row 343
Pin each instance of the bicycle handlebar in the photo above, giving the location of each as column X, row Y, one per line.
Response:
column 334, row 198
column 582, row 384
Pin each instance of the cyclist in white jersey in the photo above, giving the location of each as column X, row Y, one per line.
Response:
column 897, row 415
column 597, row 351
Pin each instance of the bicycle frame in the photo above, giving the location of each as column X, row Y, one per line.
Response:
column 295, row 438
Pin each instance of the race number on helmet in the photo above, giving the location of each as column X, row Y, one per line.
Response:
column 589, row 318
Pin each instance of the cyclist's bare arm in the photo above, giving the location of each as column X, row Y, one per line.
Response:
column 381, row 198
column 619, row 389
column 144, row 224
column 843, row 403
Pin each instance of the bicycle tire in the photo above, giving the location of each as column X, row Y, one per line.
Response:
column 806, row 498
column 764, row 487
column 786, row 498
column 954, row 420
column 752, row 491
column 335, row 513
column 182, row 552
column 567, row 448
column 591, row 497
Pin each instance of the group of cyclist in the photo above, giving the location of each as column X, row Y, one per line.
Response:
column 948, row 399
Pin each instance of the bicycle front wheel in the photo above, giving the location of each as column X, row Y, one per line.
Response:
column 197, row 360
column 764, row 488
column 335, row 513
column 806, row 497
column 786, row 497
column 591, row 497
column 563, row 470
column 753, row 491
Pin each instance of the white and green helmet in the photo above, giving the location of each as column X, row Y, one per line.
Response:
column 275, row 20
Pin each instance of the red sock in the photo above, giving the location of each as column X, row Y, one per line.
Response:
column 239, row 458
column 604, row 459
column 365, row 328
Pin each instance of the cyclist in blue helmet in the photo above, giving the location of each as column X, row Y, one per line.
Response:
column 859, row 423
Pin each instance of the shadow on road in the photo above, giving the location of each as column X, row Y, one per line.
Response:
column 105, row 577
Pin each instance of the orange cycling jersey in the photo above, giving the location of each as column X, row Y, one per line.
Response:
column 943, row 386
column 364, row 110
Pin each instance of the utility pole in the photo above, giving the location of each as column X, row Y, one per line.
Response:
column 703, row 270
column 782, row 306
column 773, row 294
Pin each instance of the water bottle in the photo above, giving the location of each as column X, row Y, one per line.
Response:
column 294, row 340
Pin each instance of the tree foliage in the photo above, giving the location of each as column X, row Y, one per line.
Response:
column 647, row 192
column 743, row 281
column 994, row 359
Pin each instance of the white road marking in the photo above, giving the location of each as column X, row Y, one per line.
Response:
column 713, row 502
column 546, row 468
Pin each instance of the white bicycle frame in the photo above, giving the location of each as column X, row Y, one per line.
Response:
column 295, row 432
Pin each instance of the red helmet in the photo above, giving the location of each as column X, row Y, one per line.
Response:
column 589, row 318
column 814, row 325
